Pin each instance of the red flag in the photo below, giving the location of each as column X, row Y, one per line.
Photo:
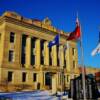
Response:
column 76, row 33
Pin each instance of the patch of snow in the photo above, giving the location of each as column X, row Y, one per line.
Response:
column 33, row 95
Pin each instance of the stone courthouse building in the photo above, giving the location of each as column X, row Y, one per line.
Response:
column 26, row 62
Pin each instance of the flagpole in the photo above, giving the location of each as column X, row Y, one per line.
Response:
column 75, row 35
column 83, row 67
column 60, row 65
column 82, row 62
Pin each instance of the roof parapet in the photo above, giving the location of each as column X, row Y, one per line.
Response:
column 12, row 15
column 46, row 23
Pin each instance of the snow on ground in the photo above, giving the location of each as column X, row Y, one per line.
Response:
column 31, row 95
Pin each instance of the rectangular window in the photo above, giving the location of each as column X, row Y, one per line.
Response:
column 41, row 51
column 12, row 35
column 73, row 51
column 65, row 63
column 58, row 54
column 10, row 76
column 60, row 79
column 67, row 78
column 23, row 49
column 0, row 37
column 11, row 55
column 33, row 41
column 73, row 64
column 34, row 77
column 23, row 77
column 50, row 57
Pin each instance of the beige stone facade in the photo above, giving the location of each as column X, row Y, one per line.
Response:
column 26, row 62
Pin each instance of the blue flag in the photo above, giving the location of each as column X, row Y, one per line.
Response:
column 54, row 42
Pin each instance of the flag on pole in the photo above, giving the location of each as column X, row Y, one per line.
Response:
column 55, row 41
column 76, row 33
column 66, row 46
column 96, row 50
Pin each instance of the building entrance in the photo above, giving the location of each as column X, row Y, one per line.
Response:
column 48, row 79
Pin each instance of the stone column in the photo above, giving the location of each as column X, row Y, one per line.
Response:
column 37, row 49
column 61, row 57
column 46, row 54
column 54, row 55
column 28, row 52
column 68, row 58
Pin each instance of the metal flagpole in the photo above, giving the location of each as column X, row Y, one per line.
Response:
column 82, row 63
column 60, row 65
column 83, row 67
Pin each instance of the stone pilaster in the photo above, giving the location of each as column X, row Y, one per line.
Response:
column 18, row 46
column 41, row 79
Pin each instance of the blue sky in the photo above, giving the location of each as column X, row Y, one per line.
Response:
column 63, row 16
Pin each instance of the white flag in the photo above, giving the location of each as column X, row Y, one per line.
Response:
column 96, row 50
column 65, row 46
